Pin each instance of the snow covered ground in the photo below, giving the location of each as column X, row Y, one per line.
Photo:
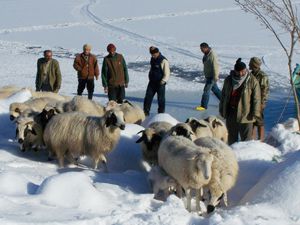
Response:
column 34, row 191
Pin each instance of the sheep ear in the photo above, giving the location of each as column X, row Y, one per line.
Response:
column 141, row 138
column 187, row 120
column 216, row 123
column 128, row 102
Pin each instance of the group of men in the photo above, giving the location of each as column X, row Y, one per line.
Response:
column 242, row 99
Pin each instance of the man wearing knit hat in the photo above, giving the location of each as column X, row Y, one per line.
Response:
column 114, row 74
column 86, row 65
column 211, row 73
column 262, row 78
column 240, row 103
column 158, row 77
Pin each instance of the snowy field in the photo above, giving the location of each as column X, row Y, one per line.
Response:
column 34, row 191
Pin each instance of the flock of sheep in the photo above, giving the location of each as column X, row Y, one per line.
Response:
column 190, row 158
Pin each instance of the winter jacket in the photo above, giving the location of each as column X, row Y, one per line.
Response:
column 211, row 66
column 86, row 69
column 160, row 69
column 114, row 71
column 54, row 74
column 249, row 104
column 263, row 81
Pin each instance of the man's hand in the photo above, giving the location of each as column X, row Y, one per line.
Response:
column 106, row 90
column 126, row 85
column 162, row 82
column 97, row 78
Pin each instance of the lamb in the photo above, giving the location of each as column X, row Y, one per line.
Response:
column 150, row 140
column 132, row 112
column 224, row 170
column 201, row 128
column 162, row 184
column 189, row 164
column 218, row 128
column 35, row 105
column 75, row 134
column 182, row 129
column 81, row 104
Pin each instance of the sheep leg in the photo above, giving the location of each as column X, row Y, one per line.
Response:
column 225, row 199
column 188, row 199
column 179, row 191
column 199, row 194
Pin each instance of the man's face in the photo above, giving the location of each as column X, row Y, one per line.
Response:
column 242, row 72
column 204, row 50
column 86, row 51
column 48, row 56
column 155, row 55
column 112, row 51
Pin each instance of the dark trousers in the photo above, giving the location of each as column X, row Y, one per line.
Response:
column 235, row 129
column 152, row 89
column 116, row 93
column 210, row 85
column 89, row 84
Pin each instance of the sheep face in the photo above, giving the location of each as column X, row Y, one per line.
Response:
column 111, row 105
column 195, row 124
column 46, row 115
column 204, row 164
column 23, row 127
column 15, row 111
column 115, row 118
column 182, row 129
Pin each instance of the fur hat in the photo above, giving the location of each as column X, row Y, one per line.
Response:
column 239, row 65
column 111, row 47
column 255, row 63
column 153, row 50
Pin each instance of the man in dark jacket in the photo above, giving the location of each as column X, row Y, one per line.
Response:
column 240, row 103
column 86, row 65
column 48, row 76
column 158, row 77
column 114, row 75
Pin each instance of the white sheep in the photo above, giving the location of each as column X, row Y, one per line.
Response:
column 182, row 129
column 189, row 164
column 81, row 104
column 218, row 128
column 162, row 184
column 132, row 112
column 35, row 105
column 201, row 128
column 75, row 134
column 150, row 140
column 224, row 170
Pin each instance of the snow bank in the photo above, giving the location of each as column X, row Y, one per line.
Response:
column 279, row 186
column 127, row 154
column 284, row 137
column 161, row 117
column 20, row 96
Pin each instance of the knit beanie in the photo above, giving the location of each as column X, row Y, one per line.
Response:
column 239, row 65
column 153, row 50
column 255, row 62
column 111, row 47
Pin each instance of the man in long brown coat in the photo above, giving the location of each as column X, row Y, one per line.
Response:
column 86, row 65
column 48, row 76
column 114, row 75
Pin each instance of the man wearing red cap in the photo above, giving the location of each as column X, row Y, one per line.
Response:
column 114, row 75
column 86, row 65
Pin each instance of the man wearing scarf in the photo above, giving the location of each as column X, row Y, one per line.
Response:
column 240, row 103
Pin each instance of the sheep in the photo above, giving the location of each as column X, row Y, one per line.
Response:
column 80, row 104
column 187, row 163
column 35, row 105
column 46, row 94
column 218, row 128
column 224, row 170
column 201, row 128
column 182, row 129
column 162, row 184
column 132, row 112
column 75, row 134
column 150, row 140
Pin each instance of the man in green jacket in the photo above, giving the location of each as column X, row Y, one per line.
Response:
column 211, row 73
column 114, row 75
column 262, row 78
column 48, row 76
column 240, row 103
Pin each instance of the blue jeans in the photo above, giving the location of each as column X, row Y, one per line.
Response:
column 210, row 85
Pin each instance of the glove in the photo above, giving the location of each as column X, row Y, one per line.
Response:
column 105, row 90
column 162, row 82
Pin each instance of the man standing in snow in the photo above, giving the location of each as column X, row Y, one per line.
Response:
column 114, row 75
column 211, row 73
column 262, row 78
column 158, row 77
column 240, row 103
column 48, row 76
column 86, row 65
